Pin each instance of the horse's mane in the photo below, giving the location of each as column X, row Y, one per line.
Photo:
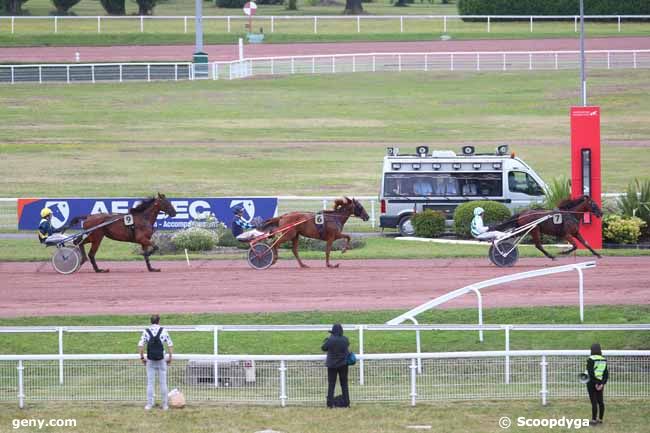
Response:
column 341, row 202
column 144, row 205
column 568, row 203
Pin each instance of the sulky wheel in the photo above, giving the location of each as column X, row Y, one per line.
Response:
column 66, row 260
column 261, row 256
column 498, row 257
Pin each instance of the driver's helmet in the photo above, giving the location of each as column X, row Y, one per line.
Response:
column 237, row 210
column 46, row 212
column 478, row 211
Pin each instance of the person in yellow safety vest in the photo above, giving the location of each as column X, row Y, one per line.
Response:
column 480, row 231
column 598, row 375
column 46, row 233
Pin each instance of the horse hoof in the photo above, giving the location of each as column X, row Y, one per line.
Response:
column 333, row 266
column 102, row 271
column 599, row 256
column 154, row 270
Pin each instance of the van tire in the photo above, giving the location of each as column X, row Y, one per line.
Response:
column 406, row 226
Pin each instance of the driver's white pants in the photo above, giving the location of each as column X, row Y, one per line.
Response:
column 490, row 236
column 247, row 236
column 54, row 238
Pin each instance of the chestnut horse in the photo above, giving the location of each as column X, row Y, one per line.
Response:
column 572, row 212
column 139, row 231
column 329, row 231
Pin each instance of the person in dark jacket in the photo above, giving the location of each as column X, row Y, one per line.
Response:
column 598, row 375
column 336, row 346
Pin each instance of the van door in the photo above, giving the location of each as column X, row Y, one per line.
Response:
column 523, row 189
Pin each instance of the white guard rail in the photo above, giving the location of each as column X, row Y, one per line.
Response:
column 362, row 331
column 302, row 379
column 274, row 24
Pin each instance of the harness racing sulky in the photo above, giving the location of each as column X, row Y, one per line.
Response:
column 563, row 223
column 326, row 225
column 137, row 226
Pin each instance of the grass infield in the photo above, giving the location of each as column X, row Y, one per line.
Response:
column 478, row 417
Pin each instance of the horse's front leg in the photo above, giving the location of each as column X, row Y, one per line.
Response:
column 328, row 250
column 148, row 248
column 537, row 239
column 584, row 242
column 94, row 246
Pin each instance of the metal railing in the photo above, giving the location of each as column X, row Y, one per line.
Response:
column 483, row 61
column 304, row 23
column 362, row 331
column 302, row 379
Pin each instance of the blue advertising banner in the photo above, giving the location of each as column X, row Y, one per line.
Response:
column 187, row 209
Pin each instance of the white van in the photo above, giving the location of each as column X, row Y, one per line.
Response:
column 442, row 180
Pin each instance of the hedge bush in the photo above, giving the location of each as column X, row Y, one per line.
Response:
column 195, row 239
column 552, row 7
column 428, row 224
column 622, row 230
column 113, row 7
column 63, row 6
column 231, row 4
column 636, row 202
column 494, row 212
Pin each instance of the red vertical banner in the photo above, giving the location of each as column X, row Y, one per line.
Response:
column 585, row 167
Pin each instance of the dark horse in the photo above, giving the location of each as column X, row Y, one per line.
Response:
column 571, row 212
column 138, row 231
column 329, row 231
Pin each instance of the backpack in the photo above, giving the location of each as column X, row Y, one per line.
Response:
column 155, row 351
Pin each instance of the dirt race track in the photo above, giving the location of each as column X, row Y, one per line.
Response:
column 28, row 289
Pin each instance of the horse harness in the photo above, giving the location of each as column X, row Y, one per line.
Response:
column 321, row 218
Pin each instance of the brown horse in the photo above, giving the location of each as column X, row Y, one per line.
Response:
column 571, row 212
column 114, row 226
column 329, row 231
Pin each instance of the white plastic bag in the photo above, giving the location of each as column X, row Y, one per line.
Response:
column 176, row 399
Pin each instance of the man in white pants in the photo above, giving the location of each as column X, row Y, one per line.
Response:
column 154, row 336
column 481, row 232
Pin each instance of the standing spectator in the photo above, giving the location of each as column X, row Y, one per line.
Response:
column 336, row 346
column 598, row 375
column 154, row 336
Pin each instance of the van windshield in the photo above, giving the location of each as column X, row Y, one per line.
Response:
column 522, row 182
column 442, row 184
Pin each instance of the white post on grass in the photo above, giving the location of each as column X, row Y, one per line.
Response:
column 60, row 331
column 215, row 350
column 21, row 388
column 361, row 353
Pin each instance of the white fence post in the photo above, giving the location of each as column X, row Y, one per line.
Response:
column 354, row 64
column 581, row 294
column 374, row 68
column 372, row 214
column 12, row 75
column 67, row 69
column 426, row 68
column 401, row 24
column 56, row 24
column 414, row 394
column 283, row 383
column 12, row 25
column 451, row 62
column 120, row 72
column 608, row 60
column 531, row 24
column 544, row 390
column 92, row 72
column 358, row 24
column 619, row 24
column 60, row 331
column 185, row 24
column 530, row 61
column 315, row 25
column 478, row 61
column 21, row 387
column 40, row 74
column 333, row 65
column 361, row 378
column 634, row 58
column 488, row 24
column 507, row 364
column 575, row 24
column 215, row 350
column 293, row 66
column 99, row 24
column 141, row 23
column 504, row 61
column 272, row 23
column 399, row 62
column 313, row 65
column 148, row 71
column 556, row 62
column 228, row 23
column 444, row 25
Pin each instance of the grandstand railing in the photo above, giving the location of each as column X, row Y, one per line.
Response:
column 362, row 331
column 304, row 23
column 302, row 379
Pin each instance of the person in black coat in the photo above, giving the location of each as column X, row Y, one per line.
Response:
column 336, row 346
column 598, row 376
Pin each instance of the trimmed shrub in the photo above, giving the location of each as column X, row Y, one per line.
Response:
column 195, row 239
column 228, row 240
column 63, row 6
column 552, row 7
column 494, row 212
column 231, row 4
column 428, row 224
column 622, row 230
column 145, row 7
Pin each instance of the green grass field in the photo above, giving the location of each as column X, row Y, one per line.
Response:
column 478, row 417
column 302, row 135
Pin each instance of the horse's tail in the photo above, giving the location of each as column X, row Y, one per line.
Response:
column 270, row 223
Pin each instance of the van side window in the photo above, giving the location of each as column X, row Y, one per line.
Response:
column 522, row 182
column 442, row 185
